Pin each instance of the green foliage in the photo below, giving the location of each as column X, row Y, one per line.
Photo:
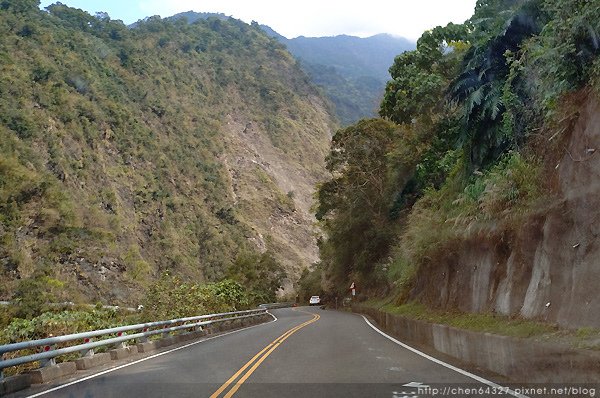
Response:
column 260, row 274
column 378, row 171
column 59, row 323
column 21, row 186
column 33, row 294
column 563, row 57
column 112, row 148
column 354, row 206
column 483, row 323
column 420, row 77
column 309, row 283
column 170, row 297
column 401, row 272
column 137, row 267
column 20, row 6
column 503, row 195
column 479, row 88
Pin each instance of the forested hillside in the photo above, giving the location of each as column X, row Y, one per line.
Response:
column 128, row 152
column 477, row 189
column 351, row 71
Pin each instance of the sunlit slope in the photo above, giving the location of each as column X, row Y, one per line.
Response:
column 169, row 146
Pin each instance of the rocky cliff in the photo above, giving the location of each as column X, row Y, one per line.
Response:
column 548, row 267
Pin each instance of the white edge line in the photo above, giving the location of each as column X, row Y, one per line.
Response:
column 145, row 359
column 447, row 365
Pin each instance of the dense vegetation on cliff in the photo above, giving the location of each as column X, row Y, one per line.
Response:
column 128, row 152
column 470, row 128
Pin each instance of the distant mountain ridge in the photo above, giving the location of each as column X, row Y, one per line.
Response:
column 193, row 16
column 353, row 56
column 352, row 71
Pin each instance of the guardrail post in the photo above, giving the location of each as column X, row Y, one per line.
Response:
column 48, row 361
column 87, row 352
column 165, row 334
column 143, row 339
column 2, row 358
column 122, row 344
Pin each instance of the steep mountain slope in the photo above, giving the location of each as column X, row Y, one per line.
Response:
column 169, row 146
column 352, row 71
column 354, row 57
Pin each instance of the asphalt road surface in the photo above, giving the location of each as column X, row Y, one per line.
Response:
column 306, row 352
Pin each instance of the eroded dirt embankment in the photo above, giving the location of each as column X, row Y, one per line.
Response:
column 548, row 269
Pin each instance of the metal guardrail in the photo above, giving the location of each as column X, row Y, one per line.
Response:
column 48, row 345
column 277, row 305
column 72, row 304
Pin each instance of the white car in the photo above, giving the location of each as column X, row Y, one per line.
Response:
column 314, row 300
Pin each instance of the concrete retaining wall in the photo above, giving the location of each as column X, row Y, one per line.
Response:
column 521, row 360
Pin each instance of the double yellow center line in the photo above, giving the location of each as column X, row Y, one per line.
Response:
column 258, row 359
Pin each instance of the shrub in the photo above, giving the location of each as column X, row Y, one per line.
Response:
column 501, row 196
column 170, row 297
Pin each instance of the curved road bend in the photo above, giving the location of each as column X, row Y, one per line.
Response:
column 307, row 352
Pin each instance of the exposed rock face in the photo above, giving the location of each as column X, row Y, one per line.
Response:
column 550, row 268
column 274, row 187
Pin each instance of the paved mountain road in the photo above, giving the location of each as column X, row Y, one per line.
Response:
column 307, row 352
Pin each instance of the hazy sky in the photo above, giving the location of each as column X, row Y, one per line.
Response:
column 407, row 18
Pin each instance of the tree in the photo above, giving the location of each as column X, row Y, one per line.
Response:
column 354, row 205
column 309, row 283
column 564, row 55
column 20, row 6
column 420, row 77
column 260, row 274
column 498, row 29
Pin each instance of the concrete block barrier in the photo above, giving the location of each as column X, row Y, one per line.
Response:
column 147, row 346
column 166, row 341
column 92, row 361
column 49, row 373
column 14, row 383
column 183, row 337
column 122, row 353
